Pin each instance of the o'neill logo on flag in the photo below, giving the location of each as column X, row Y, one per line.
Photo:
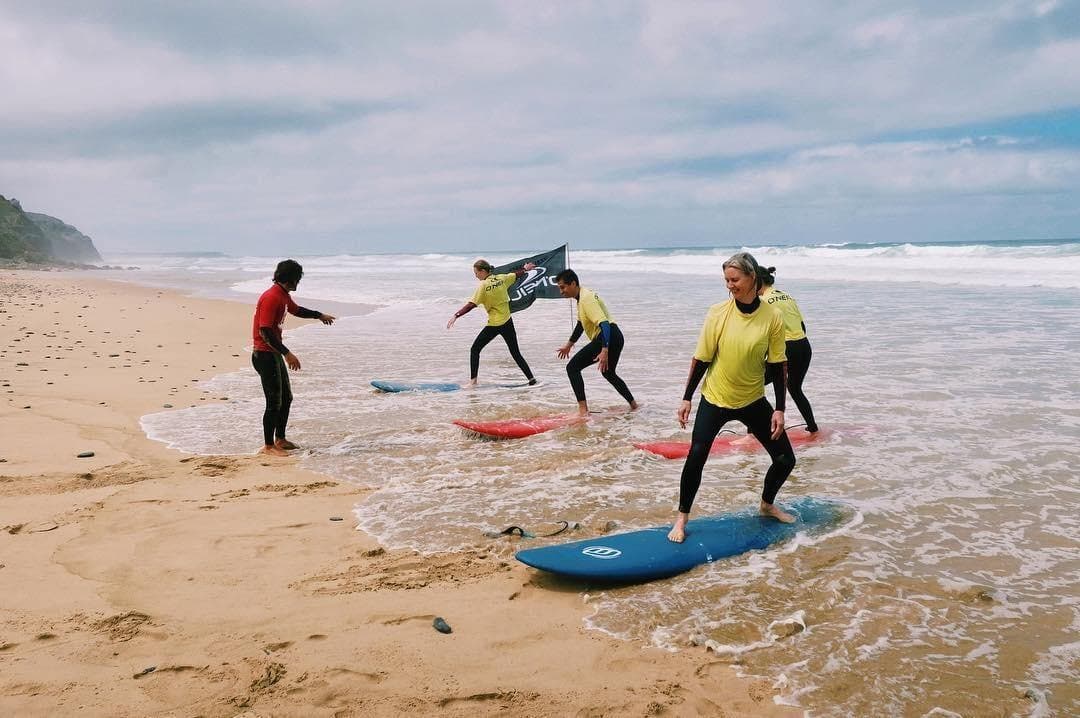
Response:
column 537, row 283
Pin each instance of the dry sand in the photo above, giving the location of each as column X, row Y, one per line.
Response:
column 142, row 581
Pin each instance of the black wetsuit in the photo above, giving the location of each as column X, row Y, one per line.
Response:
column 509, row 334
column 757, row 416
column 799, row 354
column 277, row 390
column 587, row 355
column 275, row 380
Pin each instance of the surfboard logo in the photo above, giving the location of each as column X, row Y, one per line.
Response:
column 601, row 552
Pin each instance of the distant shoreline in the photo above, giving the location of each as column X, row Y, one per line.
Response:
column 473, row 252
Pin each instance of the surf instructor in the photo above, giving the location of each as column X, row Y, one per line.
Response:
column 270, row 356
column 493, row 294
column 605, row 340
column 740, row 337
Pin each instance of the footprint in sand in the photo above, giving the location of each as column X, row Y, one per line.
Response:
column 398, row 620
column 122, row 626
column 274, row 647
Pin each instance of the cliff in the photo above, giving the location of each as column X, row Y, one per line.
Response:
column 39, row 238
column 66, row 243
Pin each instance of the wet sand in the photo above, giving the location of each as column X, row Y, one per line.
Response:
column 142, row 581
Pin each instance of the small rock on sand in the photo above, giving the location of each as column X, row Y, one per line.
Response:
column 84, row 455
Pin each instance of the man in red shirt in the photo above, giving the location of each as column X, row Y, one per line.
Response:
column 270, row 356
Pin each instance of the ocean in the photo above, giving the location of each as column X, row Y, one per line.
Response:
column 948, row 374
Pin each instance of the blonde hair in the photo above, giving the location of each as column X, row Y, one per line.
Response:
column 745, row 263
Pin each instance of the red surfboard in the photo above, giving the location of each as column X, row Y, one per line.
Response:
column 520, row 428
column 726, row 443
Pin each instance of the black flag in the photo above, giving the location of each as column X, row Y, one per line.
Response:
column 537, row 283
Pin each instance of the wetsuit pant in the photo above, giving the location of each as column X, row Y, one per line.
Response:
column 278, row 393
column 710, row 419
column 588, row 355
column 509, row 334
column 798, row 362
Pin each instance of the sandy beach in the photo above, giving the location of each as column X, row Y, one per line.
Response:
column 142, row 581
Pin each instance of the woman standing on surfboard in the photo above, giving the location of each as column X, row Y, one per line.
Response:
column 797, row 345
column 605, row 340
column 740, row 337
column 493, row 295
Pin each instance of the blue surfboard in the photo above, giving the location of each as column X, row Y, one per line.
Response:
column 395, row 387
column 646, row 555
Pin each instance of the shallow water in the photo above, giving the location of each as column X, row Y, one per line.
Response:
column 953, row 588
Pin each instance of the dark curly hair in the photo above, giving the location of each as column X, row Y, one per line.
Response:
column 288, row 271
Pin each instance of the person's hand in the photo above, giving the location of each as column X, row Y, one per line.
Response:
column 528, row 266
column 327, row 318
column 292, row 361
column 451, row 322
column 777, row 424
column 683, row 414
column 564, row 351
column 602, row 359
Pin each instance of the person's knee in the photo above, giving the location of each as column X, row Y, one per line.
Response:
column 785, row 461
column 699, row 452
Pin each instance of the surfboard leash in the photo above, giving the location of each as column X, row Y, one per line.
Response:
column 518, row 531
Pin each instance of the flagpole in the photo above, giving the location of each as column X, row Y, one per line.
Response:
column 579, row 279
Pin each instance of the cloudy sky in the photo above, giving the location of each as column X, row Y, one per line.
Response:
column 324, row 126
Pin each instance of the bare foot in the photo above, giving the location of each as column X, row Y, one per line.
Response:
column 285, row 444
column 776, row 512
column 634, row 406
column 678, row 530
column 273, row 451
column 470, row 384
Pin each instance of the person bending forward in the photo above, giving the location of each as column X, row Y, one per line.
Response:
column 605, row 340
column 493, row 295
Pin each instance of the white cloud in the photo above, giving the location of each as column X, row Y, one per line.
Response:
column 385, row 116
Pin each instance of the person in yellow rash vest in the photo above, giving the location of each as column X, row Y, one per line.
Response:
column 797, row 345
column 739, row 338
column 605, row 341
column 493, row 295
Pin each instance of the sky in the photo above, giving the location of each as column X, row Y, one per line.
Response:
column 323, row 127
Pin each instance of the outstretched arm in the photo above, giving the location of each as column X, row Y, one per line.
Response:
column 305, row 313
column 527, row 266
column 469, row 306
column 564, row 351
